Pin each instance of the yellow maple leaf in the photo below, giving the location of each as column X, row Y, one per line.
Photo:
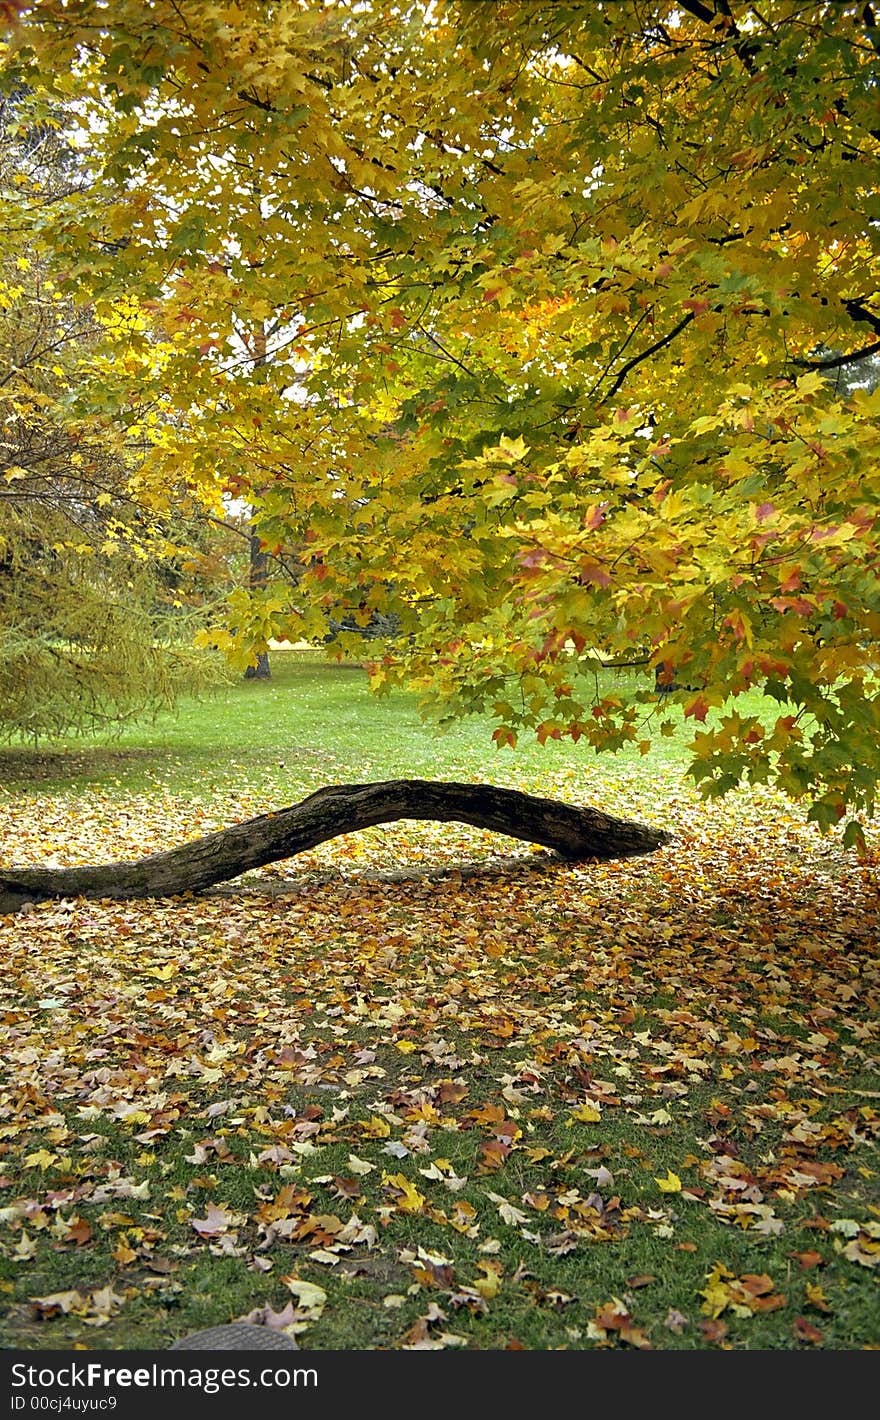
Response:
column 412, row 1201
column 375, row 1127
column 587, row 1114
column 488, row 1285
column 670, row 1184
column 164, row 973
column 716, row 1292
column 816, row 1297
column 40, row 1159
column 310, row 1298
column 513, row 449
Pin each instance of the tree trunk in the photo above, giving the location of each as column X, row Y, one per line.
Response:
column 259, row 566
column 575, row 833
column 258, row 570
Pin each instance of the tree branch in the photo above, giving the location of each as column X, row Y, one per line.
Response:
column 699, row 12
column 646, row 354
column 835, row 362
column 858, row 311
column 573, row 831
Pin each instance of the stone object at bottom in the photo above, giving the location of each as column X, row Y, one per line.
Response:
column 235, row 1336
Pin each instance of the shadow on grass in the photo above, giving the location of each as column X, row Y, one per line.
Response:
column 135, row 767
column 286, row 882
column 21, row 766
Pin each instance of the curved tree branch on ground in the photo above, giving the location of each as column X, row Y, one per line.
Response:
column 573, row 831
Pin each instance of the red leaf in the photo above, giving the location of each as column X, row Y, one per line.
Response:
column 805, row 1331
column 591, row 572
column 799, row 605
column 698, row 708
column 80, row 1231
column 504, row 736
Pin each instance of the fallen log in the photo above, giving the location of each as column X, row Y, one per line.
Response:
column 574, row 833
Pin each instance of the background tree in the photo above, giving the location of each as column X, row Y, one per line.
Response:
column 555, row 287
column 96, row 619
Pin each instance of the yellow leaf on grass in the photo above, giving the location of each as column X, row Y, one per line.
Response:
column 716, row 1292
column 488, row 1285
column 816, row 1297
column 24, row 1249
column 310, row 1297
column 164, row 973
column 375, row 1127
column 358, row 1165
column 587, row 1114
column 40, row 1159
column 670, row 1184
column 412, row 1201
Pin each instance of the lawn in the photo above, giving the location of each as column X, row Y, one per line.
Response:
column 424, row 1087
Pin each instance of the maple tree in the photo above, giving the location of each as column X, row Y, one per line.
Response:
column 551, row 289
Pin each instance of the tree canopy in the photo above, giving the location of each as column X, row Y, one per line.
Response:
column 520, row 321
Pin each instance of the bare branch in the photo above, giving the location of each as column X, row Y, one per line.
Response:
column 646, row 354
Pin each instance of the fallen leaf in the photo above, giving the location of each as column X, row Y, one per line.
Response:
column 216, row 1221
column 670, row 1184
column 805, row 1331
column 359, row 1166
column 715, row 1331
column 310, row 1298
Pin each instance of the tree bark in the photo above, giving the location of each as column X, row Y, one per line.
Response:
column 574, row 832
column 258, row 573
column 258, row 570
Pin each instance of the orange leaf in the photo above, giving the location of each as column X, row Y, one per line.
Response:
column 805, row 1331
column 714, row 1330
column 698, row 708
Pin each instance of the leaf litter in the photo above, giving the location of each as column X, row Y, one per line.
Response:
column 384, row 1084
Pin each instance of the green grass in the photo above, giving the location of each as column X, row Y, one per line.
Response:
column 312, row 713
